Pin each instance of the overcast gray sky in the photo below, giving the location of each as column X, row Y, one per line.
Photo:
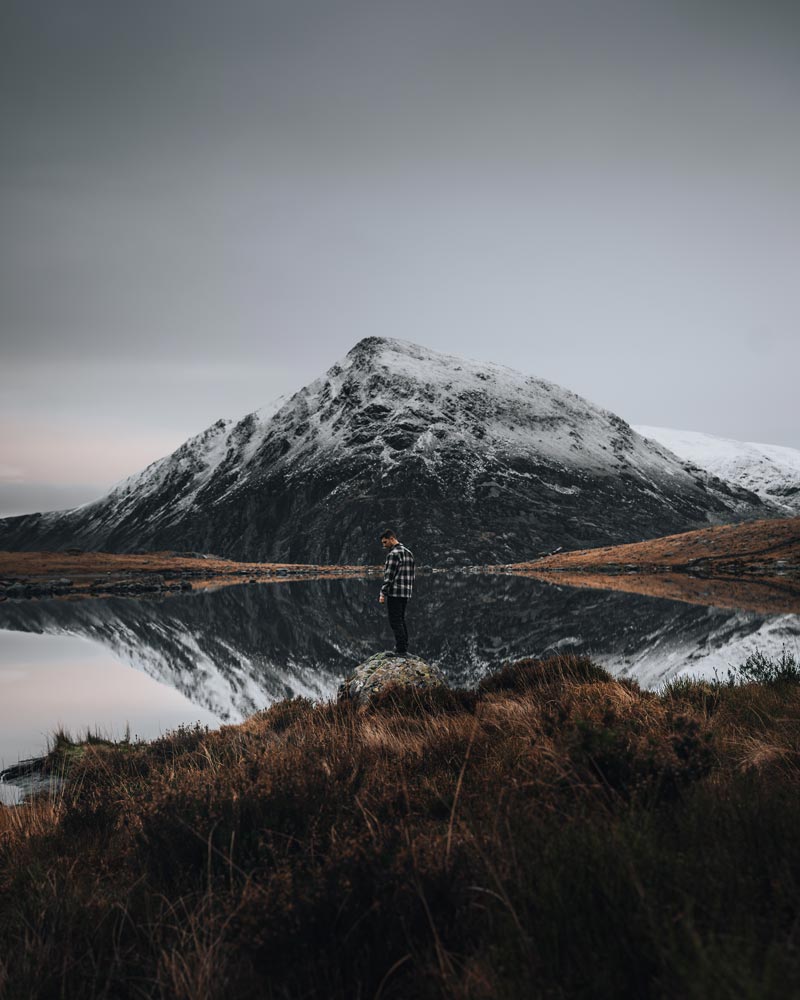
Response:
column 204, row 205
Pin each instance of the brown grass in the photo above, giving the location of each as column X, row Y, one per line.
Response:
column 554, row 832
column 87, row 568
column 749, row 545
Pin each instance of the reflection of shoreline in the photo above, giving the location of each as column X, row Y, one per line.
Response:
column 25, row 778
column 210, row 584
column 769, row 595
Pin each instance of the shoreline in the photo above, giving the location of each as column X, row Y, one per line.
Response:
column 765, row 552
column 747, row 549
column 25, row 575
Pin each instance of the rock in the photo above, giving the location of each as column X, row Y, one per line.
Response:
column 386, row 668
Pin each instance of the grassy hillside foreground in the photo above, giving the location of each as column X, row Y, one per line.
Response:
column 553, row 833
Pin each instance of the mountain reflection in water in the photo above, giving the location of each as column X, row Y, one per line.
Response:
column 239, row 648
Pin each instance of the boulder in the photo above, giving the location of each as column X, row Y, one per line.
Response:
column 381, row 669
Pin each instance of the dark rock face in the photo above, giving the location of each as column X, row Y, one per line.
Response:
column 382, row 669
column 467, row 460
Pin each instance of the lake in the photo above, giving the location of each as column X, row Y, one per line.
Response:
column 217, row 655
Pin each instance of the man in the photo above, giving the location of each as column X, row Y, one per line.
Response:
column 398, row 582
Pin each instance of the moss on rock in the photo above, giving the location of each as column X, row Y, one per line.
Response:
column 375, row 674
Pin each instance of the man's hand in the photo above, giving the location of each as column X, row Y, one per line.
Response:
column 381, row 599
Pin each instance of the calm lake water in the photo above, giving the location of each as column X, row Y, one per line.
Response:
column 216, row 656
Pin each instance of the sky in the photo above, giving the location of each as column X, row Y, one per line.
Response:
column 206, row 205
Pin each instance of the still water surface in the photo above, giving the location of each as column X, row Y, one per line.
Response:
column 218, row 655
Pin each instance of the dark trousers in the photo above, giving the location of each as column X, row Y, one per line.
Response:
column 396, row 607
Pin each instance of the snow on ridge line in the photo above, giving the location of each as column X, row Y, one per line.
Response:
column 717, row 446
column 504, row 390
column 772, row 471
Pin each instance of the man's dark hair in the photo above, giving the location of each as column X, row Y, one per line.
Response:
column 388, row 534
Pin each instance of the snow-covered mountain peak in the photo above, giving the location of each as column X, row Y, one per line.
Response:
column 395, row 399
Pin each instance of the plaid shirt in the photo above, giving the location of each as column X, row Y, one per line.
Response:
column 398, row 572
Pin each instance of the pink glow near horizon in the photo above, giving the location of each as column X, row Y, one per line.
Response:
column 65, row 454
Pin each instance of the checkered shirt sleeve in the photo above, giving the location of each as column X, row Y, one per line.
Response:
column 398, row 573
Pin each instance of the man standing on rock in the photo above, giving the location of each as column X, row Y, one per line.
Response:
column 398, row 582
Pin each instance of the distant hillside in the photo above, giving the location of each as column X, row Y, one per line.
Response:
column 770, row 470
column 770, row 545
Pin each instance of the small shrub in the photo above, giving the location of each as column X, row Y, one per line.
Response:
column 655, row 765
column 283, row 714
column 700, row 694
column 185, row 739
column 529, row 673
column 758, row 668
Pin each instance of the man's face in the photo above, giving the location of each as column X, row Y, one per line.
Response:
column 387, row 543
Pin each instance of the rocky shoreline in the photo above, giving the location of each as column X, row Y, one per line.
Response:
column 29, row 575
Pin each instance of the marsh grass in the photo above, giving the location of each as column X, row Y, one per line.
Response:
column 553, row 833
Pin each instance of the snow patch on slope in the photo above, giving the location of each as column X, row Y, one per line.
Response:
column 772, row 471
column 663, row 656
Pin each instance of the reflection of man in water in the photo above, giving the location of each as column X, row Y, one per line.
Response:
column 398, row 582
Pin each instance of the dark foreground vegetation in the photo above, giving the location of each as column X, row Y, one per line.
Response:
column 553, row 833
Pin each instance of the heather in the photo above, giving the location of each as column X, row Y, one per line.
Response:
column 553, row 832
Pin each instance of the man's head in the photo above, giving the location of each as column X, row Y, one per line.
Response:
column 388, row 538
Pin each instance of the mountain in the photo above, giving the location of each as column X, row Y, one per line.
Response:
column 470, row 461
column 770, row 470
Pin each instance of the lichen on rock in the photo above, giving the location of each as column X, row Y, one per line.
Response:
column 384, row 668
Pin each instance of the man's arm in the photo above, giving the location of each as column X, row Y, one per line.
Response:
column 390, row 571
